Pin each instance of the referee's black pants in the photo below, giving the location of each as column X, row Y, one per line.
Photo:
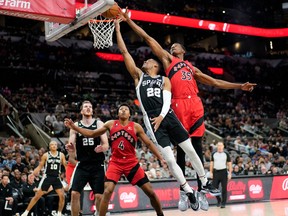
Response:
column 221, row 176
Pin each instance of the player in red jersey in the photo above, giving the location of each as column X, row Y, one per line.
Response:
column 186, row 104
column 123, row 135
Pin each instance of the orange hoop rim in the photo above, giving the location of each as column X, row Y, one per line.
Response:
column 99, row 20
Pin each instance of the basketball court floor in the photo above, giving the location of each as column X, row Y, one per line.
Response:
column 271, row 208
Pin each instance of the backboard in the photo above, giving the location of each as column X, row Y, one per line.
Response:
column 85, row 10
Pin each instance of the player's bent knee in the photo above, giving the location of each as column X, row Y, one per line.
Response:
column 75, row 194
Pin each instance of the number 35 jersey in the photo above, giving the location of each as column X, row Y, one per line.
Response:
column 123, row 141
column 150, row 93
column 85, row 146
column 181, row 75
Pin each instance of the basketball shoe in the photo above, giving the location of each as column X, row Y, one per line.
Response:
column 183, row 204
column 204, row 205
column 209, row 188
column 193, row 199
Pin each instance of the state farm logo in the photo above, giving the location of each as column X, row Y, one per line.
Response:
column 16, row 4
column 255, row 189
column 128, row 197
column 285, row 184
column 237, row 190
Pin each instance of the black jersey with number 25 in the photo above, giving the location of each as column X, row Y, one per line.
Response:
column 85, row 146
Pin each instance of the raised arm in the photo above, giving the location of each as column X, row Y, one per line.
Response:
column 86, row 132
column 41, row 164
column 218, row 83
column 164, row 56
column 145, row 139
column 134, row 71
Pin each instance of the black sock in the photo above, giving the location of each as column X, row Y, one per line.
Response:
column 161, row 214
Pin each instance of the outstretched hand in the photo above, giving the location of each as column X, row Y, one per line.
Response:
column 248, row 86
column 69, row 123
column 123, row 15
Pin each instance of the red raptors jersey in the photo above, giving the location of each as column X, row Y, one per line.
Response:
column 183, row 83
column 123, row 141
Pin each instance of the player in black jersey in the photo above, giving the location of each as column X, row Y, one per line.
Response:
column 52, row 161
column 90, row 157
column 154, row 94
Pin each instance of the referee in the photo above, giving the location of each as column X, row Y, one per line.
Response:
column 220, row 162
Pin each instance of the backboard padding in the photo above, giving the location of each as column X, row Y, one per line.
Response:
column 54, row 31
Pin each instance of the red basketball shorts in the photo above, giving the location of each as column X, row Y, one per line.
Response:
column 69, row 171
column 131, row 169
column 190, row 112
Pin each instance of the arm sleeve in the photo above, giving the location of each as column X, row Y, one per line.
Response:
column 166, row 102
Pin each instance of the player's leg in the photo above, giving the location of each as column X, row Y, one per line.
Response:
column 61, row 194
column 96, row 182
column 183, row 204
column 78, row 181
column 178, row 174
column 109, row 187
column 197, row 143
column 154, row 200
column 33, row 201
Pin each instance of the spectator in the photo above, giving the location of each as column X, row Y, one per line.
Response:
column 9, row 162
column 6, row 198
column 59, row 108
column 18, row 165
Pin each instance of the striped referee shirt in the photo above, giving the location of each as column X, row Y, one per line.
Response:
column 220, row 160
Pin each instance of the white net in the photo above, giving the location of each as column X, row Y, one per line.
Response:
column 102, row 30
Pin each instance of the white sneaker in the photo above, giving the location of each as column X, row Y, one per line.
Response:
column 204, row 205
column 183, row 204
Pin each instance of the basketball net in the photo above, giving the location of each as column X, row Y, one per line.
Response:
column 102, row 29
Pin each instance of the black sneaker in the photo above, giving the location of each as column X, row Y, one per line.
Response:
column 209, row 188
column 194, row 203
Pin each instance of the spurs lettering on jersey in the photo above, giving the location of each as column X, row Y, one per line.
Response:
column 151, row 83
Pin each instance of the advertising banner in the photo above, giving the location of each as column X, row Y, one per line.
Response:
column 131, row 198
column 59, row 11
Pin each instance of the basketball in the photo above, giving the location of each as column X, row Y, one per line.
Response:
column 111, row 12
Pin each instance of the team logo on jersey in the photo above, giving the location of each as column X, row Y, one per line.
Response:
column 122, row 133
column 129, row 128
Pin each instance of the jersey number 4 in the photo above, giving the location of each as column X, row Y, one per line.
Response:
column 153, row 92
column 121, row 145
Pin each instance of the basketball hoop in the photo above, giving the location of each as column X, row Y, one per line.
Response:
column 102, row 29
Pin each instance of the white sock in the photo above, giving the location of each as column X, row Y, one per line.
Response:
column 203, row 180
column 186, row 187
column 59, row 213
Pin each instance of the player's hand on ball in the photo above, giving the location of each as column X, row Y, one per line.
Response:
column 123, row 15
